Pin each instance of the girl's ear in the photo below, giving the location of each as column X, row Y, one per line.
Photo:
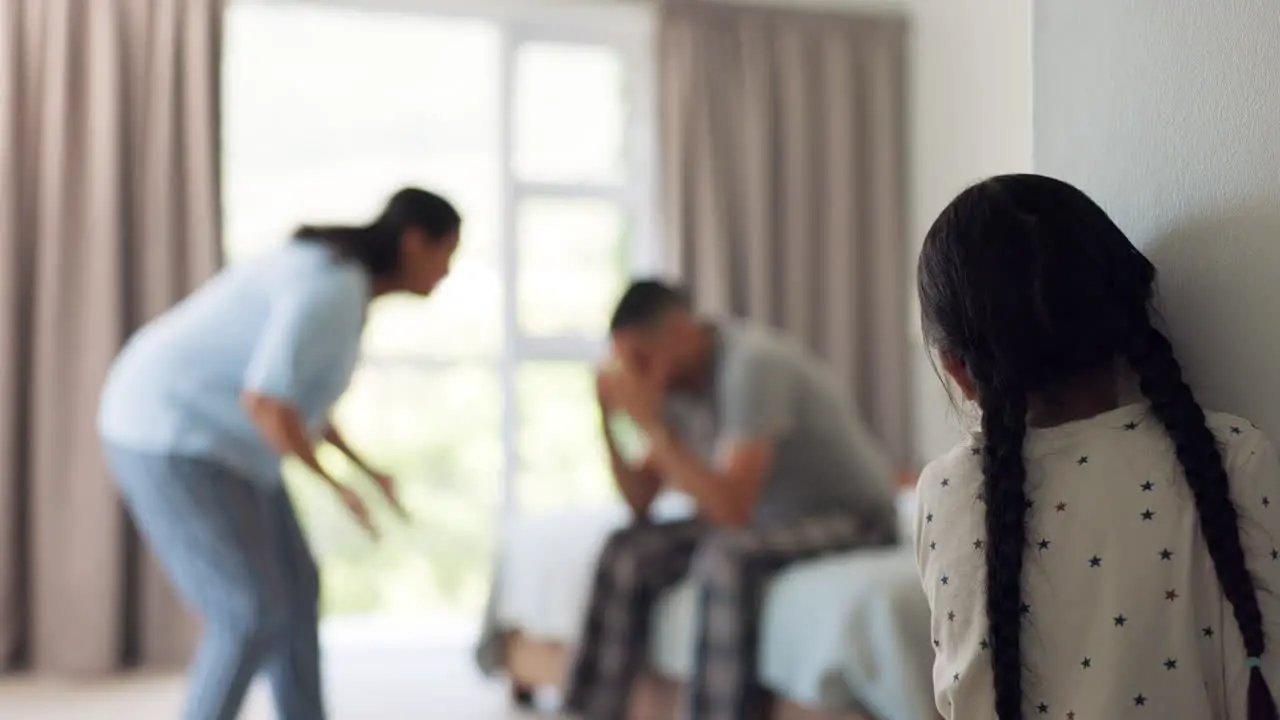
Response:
column 956, row 370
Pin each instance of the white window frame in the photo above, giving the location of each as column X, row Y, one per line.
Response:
column 634, row 195
column 622, row 26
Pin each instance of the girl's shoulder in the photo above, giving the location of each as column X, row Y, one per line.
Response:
column 1227, row 426
column 962, row 465
column 1241, row 441
column 1247, row 451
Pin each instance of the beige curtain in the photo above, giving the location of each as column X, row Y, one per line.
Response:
column 783, row 154
column 108, row 214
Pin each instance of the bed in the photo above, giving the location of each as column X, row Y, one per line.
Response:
column 845, row 636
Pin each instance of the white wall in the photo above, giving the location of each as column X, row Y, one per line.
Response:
column 971, row 117
column 1168, row 113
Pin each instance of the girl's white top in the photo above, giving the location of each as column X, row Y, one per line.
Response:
column 1123, row 615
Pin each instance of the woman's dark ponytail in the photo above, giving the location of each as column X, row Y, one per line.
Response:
column 376, row 246
column 1004, row 428
column 1160, row 378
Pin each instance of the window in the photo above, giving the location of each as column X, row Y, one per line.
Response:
column 478, row 399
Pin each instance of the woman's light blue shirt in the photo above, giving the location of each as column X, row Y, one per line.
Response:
column 285, row 324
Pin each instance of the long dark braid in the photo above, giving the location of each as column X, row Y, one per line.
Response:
column 1160, row 377
column 1004, row 428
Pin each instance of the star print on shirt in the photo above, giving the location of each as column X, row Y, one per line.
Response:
column 975, row 451
column 1131, row 426
column 937, row 644
column 1235, row 430
column 1071, row 715
column 1052, row 477
column 955, row 678
column 933, row 545
column 1207, row 632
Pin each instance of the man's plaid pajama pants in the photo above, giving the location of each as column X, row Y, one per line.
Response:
column 731, row 567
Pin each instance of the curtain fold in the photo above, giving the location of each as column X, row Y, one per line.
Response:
column 109, row 213
column 783, row 154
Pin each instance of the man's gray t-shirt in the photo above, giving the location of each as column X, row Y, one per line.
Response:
column 765, row 386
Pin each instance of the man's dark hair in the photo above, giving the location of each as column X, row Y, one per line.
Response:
column 644, row 302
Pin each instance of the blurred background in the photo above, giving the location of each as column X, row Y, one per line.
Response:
column 781, row 158
column 784, row 158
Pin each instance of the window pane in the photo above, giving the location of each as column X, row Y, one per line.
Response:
column 461, row 319
column 572, row 265
column 329, row 110
column 436, row 429
column 570, row 113
column 562, row 456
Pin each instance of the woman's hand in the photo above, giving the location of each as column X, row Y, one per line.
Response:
column 387, row 485
column 357, row 508
column 384, row 482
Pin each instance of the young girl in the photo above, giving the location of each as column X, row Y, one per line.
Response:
column 1085, row 559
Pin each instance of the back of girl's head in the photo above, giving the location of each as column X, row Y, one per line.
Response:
column 377, row 244
column 1028, row 282
column 1026, row 285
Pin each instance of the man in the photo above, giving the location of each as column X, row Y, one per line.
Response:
column 759, row 434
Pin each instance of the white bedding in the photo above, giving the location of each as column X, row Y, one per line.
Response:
column 851, row 630
column 547, row 569
column 547, row 563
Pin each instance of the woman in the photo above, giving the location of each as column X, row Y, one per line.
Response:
column 203, row 402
